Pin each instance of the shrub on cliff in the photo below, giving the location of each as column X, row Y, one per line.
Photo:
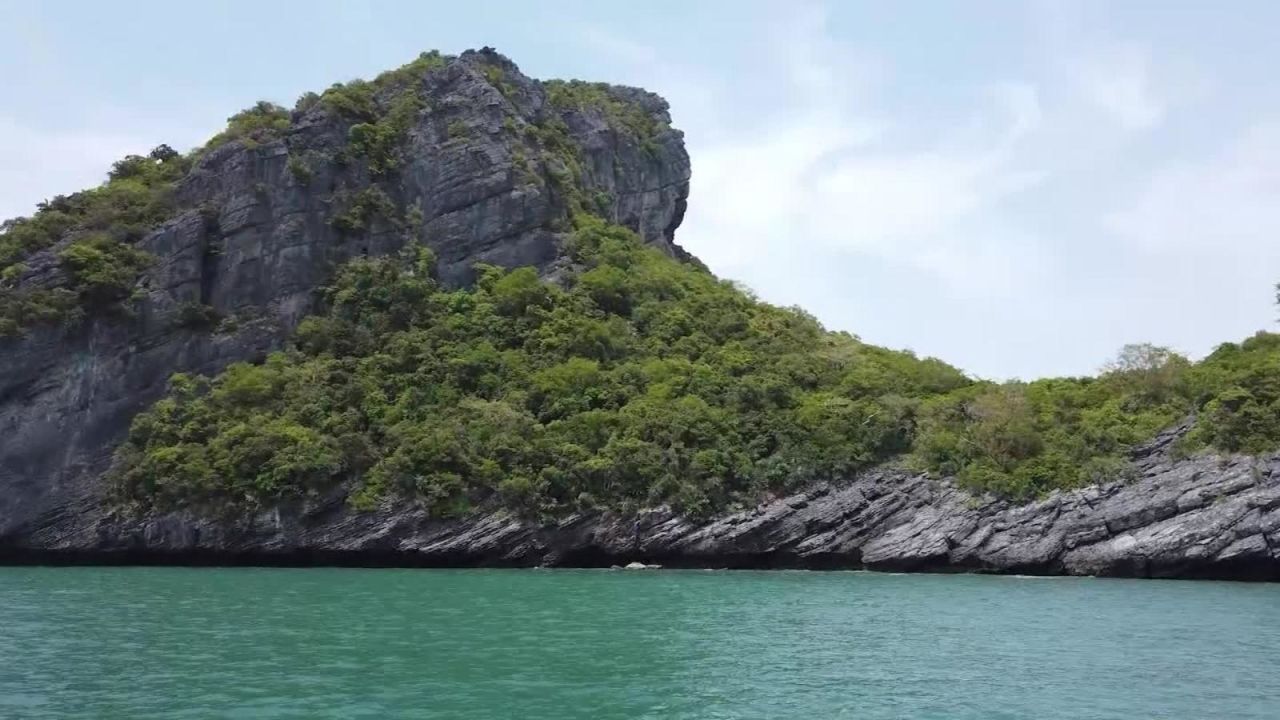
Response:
column 106, row 221
column 263, row 121
column 640, row 381
column 139, row 195
column 1238, row 389
column 1022, row 439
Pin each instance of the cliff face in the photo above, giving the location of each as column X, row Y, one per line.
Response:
column 258, row 240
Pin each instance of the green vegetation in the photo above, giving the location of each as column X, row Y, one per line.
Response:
column 353, row 101
column 106, row 221
column 457, row 130
column 1238, row 390
column 264, row 121
column 1022, row 439
column 644, row 381
column 497, row 77
column 138, row 194
column 379, row 142
column 579, row 95
column 363, row 208
column 358, row 99
column 562, row 159
column 382, row 111
column 100, row 272
column 104, row 224
column 299, row 169
column 102, row 268
column 412, row 72
column 197, row 316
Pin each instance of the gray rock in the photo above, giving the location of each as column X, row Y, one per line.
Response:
column 262, row 245
column 882, row 520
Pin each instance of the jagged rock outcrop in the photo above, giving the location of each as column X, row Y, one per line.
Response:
column 258, row 241
column 1207, row 517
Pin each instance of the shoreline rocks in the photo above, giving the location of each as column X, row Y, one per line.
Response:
column 1204, row 517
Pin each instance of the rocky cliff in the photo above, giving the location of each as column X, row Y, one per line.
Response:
column 258, row 238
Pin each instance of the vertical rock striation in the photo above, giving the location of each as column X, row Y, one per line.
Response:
column 258, row 239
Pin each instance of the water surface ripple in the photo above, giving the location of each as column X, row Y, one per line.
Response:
column 347, row 643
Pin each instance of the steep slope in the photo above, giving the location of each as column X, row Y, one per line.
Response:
column 480, row 179
column 532, row 417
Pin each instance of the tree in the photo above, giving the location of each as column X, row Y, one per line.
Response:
column 1003, row 426
column 1150, row 372
column 163, row 153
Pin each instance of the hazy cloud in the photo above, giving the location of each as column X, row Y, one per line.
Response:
column 1118, row 82
column 37, row 164
column 1228, row 203
column 827, row 175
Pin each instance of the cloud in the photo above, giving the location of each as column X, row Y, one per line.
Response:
column 831, row 175
column 604, row 41
column 1118, row 82
column 752, row 193
column 1227, row 204
column 1200, row 236
column 38, row 163
column 958, row 221
column 833, row 180
column 816, row 67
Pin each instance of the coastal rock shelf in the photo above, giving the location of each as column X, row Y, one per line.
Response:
column 1203, row 518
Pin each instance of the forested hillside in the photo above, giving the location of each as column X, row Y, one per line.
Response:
column 618, row 373
column 637, row 380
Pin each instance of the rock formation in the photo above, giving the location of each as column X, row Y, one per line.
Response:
column 258, row 240
column 1207, row 517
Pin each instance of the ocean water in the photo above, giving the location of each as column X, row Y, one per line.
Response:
column 347, row 643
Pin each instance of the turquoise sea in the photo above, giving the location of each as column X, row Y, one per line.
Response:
column 347, row 643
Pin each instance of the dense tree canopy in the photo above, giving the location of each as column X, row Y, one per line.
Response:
column 642, row 380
